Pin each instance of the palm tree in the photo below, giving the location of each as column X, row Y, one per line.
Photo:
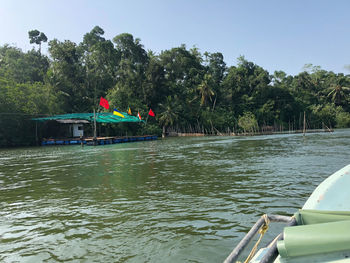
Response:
column 205, row 89
column 338, row 93
column 169, row 113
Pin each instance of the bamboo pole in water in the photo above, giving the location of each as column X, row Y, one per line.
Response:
column 304, row 127
column 95, row 139
column 36, row 133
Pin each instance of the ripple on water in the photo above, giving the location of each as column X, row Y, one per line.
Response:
column 183, row 199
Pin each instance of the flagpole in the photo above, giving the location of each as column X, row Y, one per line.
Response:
column 94, row 139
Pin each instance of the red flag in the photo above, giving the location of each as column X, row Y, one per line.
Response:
column 104, row 103
column 138, row 115
column 151, row 113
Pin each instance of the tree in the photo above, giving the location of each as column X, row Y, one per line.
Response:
column 168, row 114
column 155, row 84
column 217, row 69
column 323, row 114
column 19, row 102
column 190, row 91
column 206, row 89
column 66, row 76
column 130, row 75
column 183, row 73
column 130, row 48
column 279, row 76
column 22, row 67
column 216, row 66
column 339, row 93
column 342, row 118
column 36, row 37
column 244, row 84
column 100, row 62
column 248, row 122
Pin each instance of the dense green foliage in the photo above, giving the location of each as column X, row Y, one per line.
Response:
column 188, row 91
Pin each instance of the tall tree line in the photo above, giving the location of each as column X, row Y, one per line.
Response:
column 189, row 91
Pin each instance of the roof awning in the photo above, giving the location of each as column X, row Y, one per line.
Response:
column 104, row 117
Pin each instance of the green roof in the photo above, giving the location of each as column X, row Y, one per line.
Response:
column 106, row 117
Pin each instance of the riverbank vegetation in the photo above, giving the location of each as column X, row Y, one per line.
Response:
column 188, row 90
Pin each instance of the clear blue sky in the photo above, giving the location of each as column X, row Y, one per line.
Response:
column 277, row 34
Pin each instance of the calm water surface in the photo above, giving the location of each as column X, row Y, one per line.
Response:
column 173, row 200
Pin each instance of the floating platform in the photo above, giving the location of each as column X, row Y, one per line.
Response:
column 99, row 140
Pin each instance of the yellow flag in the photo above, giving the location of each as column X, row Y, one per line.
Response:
column 116, row 112
column 129, row 111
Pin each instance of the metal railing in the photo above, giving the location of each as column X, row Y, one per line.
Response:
column 272, row 252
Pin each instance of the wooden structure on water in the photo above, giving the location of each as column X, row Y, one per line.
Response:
column 99, row 140
column 83, row 118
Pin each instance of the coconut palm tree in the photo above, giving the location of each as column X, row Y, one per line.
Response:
column 206, row 89
column 169, row 113
column 338, row 93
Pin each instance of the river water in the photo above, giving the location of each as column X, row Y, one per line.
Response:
column 172, row 200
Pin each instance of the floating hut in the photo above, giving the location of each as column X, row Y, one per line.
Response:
column 75, row 129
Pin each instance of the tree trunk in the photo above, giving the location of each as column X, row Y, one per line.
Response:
column 163, row 133
column 214, row 104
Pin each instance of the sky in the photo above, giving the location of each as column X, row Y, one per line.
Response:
column 274, row 34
